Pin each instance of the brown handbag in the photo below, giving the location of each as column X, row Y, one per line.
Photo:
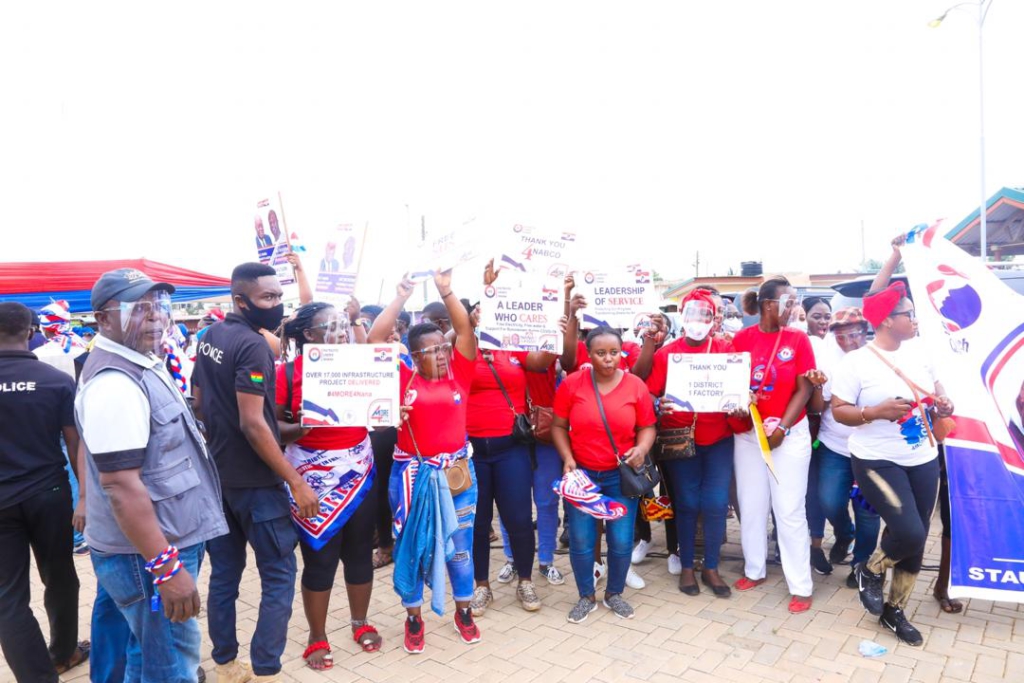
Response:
column 541, row 418
column 458, row 475
column 675, row 444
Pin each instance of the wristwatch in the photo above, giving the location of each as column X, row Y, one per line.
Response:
column 785, row 430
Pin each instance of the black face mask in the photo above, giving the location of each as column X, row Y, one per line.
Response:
column 266, row 318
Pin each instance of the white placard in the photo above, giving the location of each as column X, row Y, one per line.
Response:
column 272, row 240
column 708, row 382
column 522, row 314
column 443, row 251
column 618, row 298
column 338, row 268
column 350, row 385
column 528, row 249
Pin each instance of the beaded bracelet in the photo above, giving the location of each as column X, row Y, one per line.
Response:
column 161, row 560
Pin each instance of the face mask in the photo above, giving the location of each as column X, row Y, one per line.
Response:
column 798, row 325
column 266, row 318
column 697, row 331
column 732, row 325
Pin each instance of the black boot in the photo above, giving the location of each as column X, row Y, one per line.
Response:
column 840, row 551
column 895, row 620
column 870, row 586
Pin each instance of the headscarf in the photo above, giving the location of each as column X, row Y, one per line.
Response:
column 880, row 305
column 55, row 318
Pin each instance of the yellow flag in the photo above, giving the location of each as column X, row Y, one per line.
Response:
column 762, row 440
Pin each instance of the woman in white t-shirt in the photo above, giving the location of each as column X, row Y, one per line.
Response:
column 893, row 452
column 848, row 332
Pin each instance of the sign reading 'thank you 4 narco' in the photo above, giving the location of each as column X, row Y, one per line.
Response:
column 522, row 314
column 350, row 385
column 708, row 382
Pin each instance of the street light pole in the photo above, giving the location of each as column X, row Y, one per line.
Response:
column 983, row 7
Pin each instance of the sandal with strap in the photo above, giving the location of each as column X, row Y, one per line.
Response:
column 367, row 644
column 327, row 659
column 79, row 656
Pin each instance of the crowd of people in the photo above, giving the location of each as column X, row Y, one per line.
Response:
column 188, row 452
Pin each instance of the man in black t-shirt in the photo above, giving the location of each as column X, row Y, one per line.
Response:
column 233, row 386
column 37, row 404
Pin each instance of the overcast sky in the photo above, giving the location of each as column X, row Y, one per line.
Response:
column 741, row 129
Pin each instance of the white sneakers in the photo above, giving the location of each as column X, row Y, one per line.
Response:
column 634, row 580
column 675, row 567
column 640, row 552
column 600, row 571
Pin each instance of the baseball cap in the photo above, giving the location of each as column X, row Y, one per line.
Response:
column 127, row 285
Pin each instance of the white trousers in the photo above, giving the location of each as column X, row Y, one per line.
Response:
column 759, row 493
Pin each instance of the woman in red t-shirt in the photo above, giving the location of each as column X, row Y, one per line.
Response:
column 782, row 365
column 337, row 463
column 434, row 397
column 504, row 466
column 698, row 479
column 630, row 414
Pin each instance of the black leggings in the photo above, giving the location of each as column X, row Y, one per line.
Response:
column 383, row 443
column 905, row 498
column 352, row 545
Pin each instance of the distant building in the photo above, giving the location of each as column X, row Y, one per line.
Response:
column 1005, row 226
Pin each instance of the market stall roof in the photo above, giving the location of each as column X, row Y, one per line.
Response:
column 1005, row 225
column 37, row 284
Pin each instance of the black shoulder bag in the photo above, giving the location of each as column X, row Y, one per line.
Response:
column 522, row 430
column 289, row 377
column 635, row 482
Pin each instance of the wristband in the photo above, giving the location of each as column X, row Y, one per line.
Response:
column 160, row 580
column 785, row 430
column 161, row 560
column 445, row 296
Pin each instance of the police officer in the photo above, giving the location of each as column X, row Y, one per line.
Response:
column 233, row 386
column 37, row 405
column 153, row 491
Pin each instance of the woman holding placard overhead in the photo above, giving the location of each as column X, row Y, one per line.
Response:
column 433, row 488
column 338, row 462
column 782, row 377
column 500, row 432
column 694, row 449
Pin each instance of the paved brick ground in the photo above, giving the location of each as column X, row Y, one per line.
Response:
column 750, row 637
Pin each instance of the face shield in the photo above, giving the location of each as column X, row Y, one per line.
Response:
column 330, row 326
column 698, row 319
column 144, row 323
column 435, row 361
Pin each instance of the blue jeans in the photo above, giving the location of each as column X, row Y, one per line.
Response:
column 504, row 476
column 460, row 568
column 261, row 518
column 549, row 468
column 700, row 485
column 110, row 636
column 79, row 537
column 618, row 532
column 157, row 649
column 834, row 484
column 812, row 501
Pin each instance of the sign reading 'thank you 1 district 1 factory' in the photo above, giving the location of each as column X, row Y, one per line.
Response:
column 350, row 385
column 708, row 382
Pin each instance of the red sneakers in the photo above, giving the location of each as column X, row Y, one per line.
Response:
column 466, row 627
column 414, row 635
column 745, row 584
column 799, row 605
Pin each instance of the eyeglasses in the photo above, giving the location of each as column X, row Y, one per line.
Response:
column 790, row 303
column 332, row 326
column 848, row 336
column 911, row 315
column 436, row 350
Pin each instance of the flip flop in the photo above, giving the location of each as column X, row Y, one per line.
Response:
column 367, row 644
column 328, row 659
column 948, row 605
column 82, row 654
